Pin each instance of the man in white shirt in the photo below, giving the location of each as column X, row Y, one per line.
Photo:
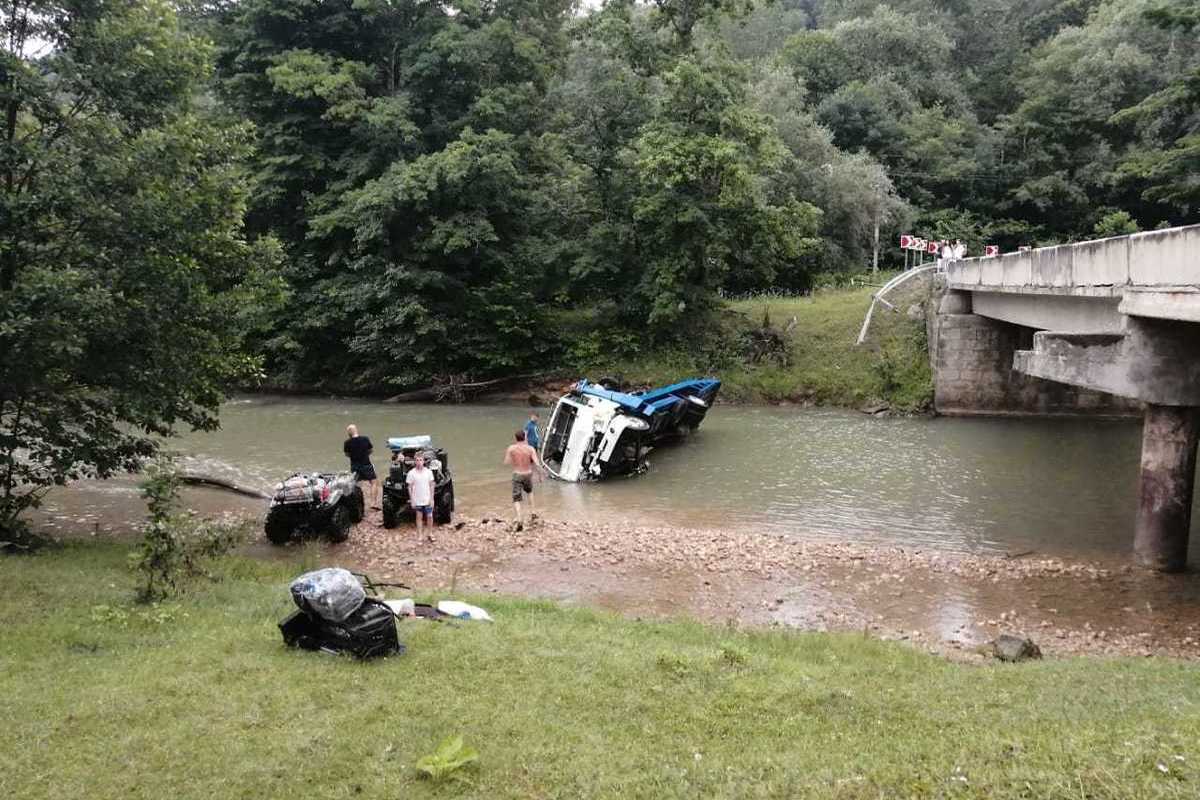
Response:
column 420, row 491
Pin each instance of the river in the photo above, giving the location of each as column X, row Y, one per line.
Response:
column 1061, row 487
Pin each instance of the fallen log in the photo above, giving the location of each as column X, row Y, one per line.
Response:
column 456, row 391
column 218, row 483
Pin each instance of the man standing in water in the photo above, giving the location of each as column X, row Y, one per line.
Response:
column 420, row 492
column 522, row 458
column 358, row 450
column 532, row 437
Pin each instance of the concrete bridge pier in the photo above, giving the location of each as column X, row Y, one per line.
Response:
column 1165, row 487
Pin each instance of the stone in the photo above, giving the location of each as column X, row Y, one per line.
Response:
column 1007, row 647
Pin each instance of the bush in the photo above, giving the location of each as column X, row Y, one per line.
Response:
column 176, row 546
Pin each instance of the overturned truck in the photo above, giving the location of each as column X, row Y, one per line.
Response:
column 596, row 432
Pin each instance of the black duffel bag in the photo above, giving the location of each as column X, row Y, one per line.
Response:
column 368, row 632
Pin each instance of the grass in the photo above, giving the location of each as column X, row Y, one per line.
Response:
column 198, row 698
column 826, row 367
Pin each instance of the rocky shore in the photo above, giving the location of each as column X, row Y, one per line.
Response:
column 952, row 605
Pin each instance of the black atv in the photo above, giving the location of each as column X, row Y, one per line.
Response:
column 395, row 489
column 319, row 504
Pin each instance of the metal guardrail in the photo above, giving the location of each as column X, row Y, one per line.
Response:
column 877, row 297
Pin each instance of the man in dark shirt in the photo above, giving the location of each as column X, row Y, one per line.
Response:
column 358, row 450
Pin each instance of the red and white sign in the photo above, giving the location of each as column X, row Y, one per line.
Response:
column 905, row 241
column 932, row 247
column 991, row 250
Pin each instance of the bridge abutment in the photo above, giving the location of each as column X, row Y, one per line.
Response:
column 1165, row 487
column 972, row 357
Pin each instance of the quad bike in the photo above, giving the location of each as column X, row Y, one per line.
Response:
column 395, row 488
column 318, row 504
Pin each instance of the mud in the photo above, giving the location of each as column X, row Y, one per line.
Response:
column 951, row 605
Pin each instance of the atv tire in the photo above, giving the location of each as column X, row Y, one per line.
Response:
column 279, row 526
column 444, row 509
column 340, row 517
column 391, row 514
column 358, row 506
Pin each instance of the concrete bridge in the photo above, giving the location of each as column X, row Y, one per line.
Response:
column 1109, row 326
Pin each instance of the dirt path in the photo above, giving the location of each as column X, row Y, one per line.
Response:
column 950, row 605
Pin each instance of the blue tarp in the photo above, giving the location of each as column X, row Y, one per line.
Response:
column 654, row 401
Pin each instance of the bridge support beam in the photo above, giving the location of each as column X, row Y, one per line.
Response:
column 1165, row 487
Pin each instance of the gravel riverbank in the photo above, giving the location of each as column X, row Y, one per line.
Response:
column 949, row 604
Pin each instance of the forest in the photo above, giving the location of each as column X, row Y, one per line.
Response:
column 477, row 188
column 370, row 195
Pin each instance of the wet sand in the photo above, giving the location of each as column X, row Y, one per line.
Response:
column 951, row 605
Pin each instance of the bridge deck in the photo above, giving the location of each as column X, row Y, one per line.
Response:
column 1160, row 261
column 1154, row 274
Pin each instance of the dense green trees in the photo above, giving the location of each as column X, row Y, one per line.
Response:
column 451, row 179
column 452, row 183
column 126, row 286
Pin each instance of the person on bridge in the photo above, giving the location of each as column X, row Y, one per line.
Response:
column 523, row 459
column 358, row 450
column 959, row 250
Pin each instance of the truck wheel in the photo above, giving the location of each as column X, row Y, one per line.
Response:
column 358, row 506
column 279, row 526
column 339, row 523
column 389, row 512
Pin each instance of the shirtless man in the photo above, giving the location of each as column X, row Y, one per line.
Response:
column 522, row 458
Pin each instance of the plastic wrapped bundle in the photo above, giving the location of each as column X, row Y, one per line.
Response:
column 296, row 489
column 332, row 594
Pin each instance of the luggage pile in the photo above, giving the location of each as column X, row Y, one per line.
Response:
column 335, row 614
column 302, row 489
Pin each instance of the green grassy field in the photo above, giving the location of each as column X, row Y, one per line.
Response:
column 825, row 366
column 198, row 698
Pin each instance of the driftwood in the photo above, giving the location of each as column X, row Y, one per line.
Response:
column 455, row 390
column 218, row 483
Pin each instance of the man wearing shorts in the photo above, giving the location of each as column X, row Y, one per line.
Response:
column 358, row 450
column 522, row 458
column 420, row 491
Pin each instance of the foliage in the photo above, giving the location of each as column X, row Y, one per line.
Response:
column 1118, row 223
column 1169, row 173
column 704, row 208
column 401, row 161
column 450, row 756
column 445, row 182
column 175, row 546
column 127, row 287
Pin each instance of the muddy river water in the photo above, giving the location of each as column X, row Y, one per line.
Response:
column 964, row 486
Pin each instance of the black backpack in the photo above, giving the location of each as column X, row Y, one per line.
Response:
column 370, row 631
